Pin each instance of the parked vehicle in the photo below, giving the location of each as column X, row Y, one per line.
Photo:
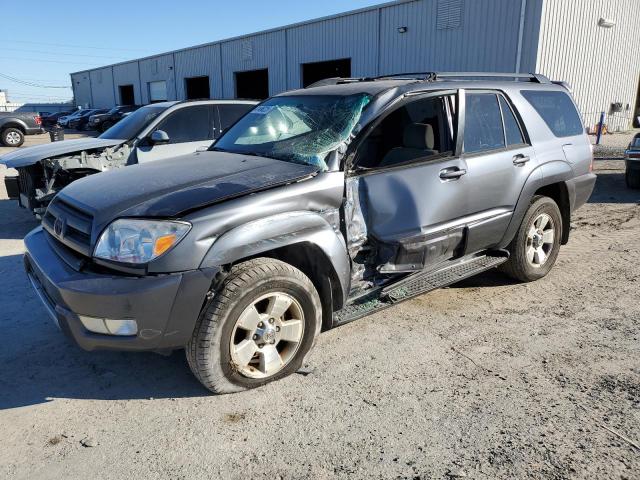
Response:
column 318, row 207
column 632, row 163
column 64, row 120
column 52, row 119
column 104, row 121
column 81, row 121
column 154, row 132
column 15, row 125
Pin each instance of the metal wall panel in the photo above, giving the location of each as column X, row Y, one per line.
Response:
column 602, row 65
column 127, row 74
column 197, row 62
column 154, row 69
column 82, row 89
column 103, row 95
column 353, row 36
column 485, row 38
column 252, row 53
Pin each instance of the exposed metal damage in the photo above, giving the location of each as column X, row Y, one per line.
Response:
column 48, row 176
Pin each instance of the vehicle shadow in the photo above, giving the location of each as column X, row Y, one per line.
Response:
column 40, row 364
column 15, row 222
column 490, row 278
column 611, row 188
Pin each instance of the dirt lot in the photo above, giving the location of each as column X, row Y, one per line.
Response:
column 487, row 379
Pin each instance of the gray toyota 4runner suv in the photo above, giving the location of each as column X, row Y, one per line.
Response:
column 318, row 207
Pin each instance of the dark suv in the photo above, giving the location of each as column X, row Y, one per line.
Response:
column 318, row 207
column 105, row 120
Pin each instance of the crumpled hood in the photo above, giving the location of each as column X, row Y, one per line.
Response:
column 168, row 188
column 31, row 155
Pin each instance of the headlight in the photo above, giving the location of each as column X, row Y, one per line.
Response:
column 139, row 241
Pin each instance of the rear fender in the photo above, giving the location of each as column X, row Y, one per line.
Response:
column 546, row 174
column 282, row 230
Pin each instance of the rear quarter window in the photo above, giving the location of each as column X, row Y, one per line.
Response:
column 557, row 110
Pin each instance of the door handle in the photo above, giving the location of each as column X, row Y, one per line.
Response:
column 452, row 173
column 521, row 159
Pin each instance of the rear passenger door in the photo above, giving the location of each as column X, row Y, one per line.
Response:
column 499, row 160
column 188, row 128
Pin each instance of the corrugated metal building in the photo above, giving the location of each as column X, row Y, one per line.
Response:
column 594, row 45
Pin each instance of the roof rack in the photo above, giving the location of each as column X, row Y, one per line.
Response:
column 532, row 77
column 432, row 77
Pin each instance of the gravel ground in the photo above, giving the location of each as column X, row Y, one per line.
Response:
column 486, row 379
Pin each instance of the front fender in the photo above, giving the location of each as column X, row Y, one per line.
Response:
column 281, row 230
column 546, row 174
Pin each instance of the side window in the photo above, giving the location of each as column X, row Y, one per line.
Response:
column 416, row 130
column 557, row 111
column 511, row 127
column 230, row 113
column 483, row 123
column 188, row 124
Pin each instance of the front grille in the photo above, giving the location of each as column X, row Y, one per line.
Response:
column 69, row 226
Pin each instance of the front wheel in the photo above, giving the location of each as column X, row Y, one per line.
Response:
column 535, row 248
column 260, row 325
column 12, row 137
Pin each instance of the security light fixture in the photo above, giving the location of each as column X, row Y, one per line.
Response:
column 402, row 29
column 606, row 23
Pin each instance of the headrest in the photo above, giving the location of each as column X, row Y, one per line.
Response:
column 419, row 136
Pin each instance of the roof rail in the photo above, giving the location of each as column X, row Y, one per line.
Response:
column 337, row 81
column 532, row 77
column 425, row 76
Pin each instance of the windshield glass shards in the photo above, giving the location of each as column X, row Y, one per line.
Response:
column 300, row 129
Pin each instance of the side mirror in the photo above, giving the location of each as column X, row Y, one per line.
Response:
column 159, row 137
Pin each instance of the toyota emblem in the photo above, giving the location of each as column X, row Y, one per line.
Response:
column 58, row 227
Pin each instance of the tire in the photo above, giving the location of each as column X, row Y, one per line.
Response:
column 226, row 325
column 105, row 126
column 632, row 178
column 12, row 137
column 524, row 265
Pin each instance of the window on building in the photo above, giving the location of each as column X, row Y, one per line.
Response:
column 188, row 124
column 483, row 123
column 512, row 130
column 316, row 71
column 157, row 91
column 557, row 110
column 416, row 131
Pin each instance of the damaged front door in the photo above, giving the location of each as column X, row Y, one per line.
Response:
column 406, row 200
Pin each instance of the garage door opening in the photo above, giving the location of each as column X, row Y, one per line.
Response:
column 197, row 87
column 253, row 84
column 126, row 95
column 316, row 71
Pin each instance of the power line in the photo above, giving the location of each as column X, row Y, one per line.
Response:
column 46, row 61
column 74, row 46
column 66, row 54
column 29, row 84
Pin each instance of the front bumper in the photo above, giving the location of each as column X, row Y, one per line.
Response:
column 580, row 189
column 165, row 307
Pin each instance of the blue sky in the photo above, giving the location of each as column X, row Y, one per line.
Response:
column 46, row 41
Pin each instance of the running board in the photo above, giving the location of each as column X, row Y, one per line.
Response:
column 417, row 284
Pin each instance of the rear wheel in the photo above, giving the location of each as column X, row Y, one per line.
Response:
column 12, row 137
column 259, row 327
column 535, row 248
column 632, row 177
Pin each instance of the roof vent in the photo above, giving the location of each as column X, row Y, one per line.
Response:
column 449, row 14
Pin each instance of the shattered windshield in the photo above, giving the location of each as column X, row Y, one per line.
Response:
column 132, row 124
column 300, row 129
